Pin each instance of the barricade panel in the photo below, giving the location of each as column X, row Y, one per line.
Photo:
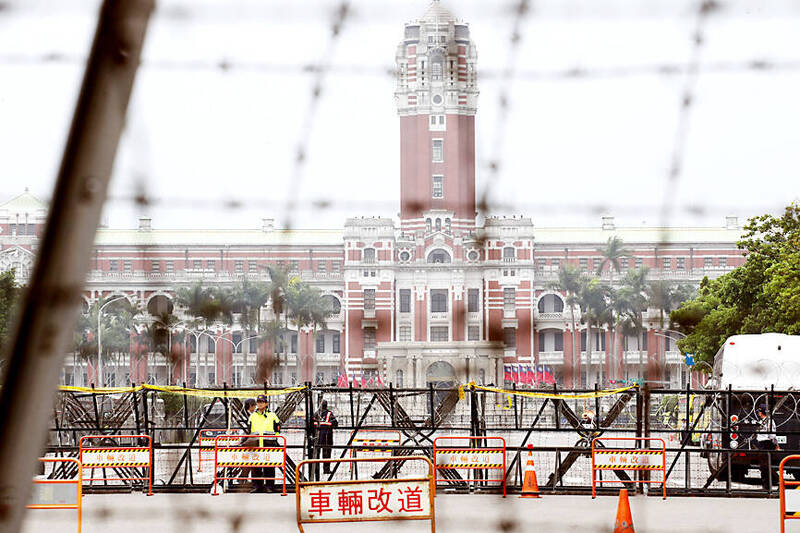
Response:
column 249, row 457
column 789, row 493
column 59, row 493
column 470, row 458
column 118, row 458
column 630, row 459
column 206, row 443
column 365, row 500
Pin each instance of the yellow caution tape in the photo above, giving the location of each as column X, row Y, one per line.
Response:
column 554, row 396
column 200, row 393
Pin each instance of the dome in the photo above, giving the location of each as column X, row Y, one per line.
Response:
column 437, row 13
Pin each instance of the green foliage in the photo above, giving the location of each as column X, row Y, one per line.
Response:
column 761, row 296
column 9, row 294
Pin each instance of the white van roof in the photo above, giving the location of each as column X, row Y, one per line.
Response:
column 758, row 362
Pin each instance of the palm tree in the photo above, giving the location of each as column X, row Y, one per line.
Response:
column 279, row 287
column 271, row 331
column 593, row 298
column 612, row 254
column 666, row 296
column 635, row 295
column 570, row 280
column 201, row 304
column 249, row 297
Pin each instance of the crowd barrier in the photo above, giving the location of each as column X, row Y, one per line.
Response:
column 120, row 459
column 354, row 500
column 470, row 458
column 58, row 493
column 246, row 458
column 206, row 440
column 790, row 501
column 365, row 440
column 630, row 459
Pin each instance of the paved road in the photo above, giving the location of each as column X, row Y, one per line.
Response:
column 256, row 513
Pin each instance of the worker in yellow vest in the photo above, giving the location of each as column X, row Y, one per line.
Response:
column 262, row 421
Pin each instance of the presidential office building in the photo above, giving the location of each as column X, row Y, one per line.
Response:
column 432, row 297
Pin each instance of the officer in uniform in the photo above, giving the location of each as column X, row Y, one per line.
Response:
column 324, row 422
column 766, row 439
column 262, row 421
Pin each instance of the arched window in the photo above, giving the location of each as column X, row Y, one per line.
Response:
column 369, row 255
column 438, row 224
column 428, row 225
column 439, row 256
column 333, row 303
column 509, row 254
column 398, row 379
column 550, row 303
column 447, row 225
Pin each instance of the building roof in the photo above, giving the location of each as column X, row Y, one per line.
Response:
column 24, row 202
column 218, row 237
column 650, row 235
column 437, row 13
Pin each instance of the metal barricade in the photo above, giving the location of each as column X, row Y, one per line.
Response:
column 471, row 459
column 119, row 459
column 50, row 493
column 790, row 501
column 206, row 442
column 247, row 457
column 353, row 500
column 372, row 444
column 632, row 459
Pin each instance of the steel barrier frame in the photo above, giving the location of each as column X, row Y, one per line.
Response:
column 205, row 447
column 644, row 440
column 149, row 466
column 78, row 487
column 437, row 450
column 429, row 479
column 217, row 467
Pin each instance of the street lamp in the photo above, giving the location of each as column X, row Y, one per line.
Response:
column 682, row 336
column 235, row 345
column 169, row 345
column 100, row 338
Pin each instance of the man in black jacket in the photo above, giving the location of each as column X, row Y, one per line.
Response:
column 324, row 423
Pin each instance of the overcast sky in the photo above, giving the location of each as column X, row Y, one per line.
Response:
column 199, row 135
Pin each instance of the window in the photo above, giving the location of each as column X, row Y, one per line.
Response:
column 294, row 266
column 335, row 267
column 708, row 262
column 541, row 264
column 556, row 263
column 252, row 267
column 439, row 256
column 583, row 263
column 127, row 265
column 211, row 265
column 439, row 334
column 438, row 300
column 437, row 123
column 666, row 263
column 681, row 263
column 320, row 342
column 237, row 342
column 398, row 379
column 404, row 334
column 211, row 345
column 369, row 255
column 436, row 71
column 447, row 225
column 473, row 333
column 369, row 339
column 293, row 343
column 438, row 224
column 428, row 225
column 322, row 266
column 510, row 337
column 623, row 264
column 595, row 264
column 723, row 262
column 438, row 187
column 509, row 297
column 238, row 266
column 335, row 341
column 509, row 254
column 559, row 344
column 369, row 298
column 473, row 300
column 197, row 264
column 170, row 266
column 438, row 150
column 405, row 300
column 253, row 342
column 333, row 304
column 638, row 262
column 155, row 266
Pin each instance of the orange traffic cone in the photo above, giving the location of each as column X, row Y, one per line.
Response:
column 624, row 523
column 530, row 487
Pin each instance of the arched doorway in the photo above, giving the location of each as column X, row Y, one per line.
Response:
column 441, row 376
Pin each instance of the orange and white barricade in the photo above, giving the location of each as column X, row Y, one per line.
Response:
column 471, row 458
column 206, row 443
column 354, row 500
column 117, row 458
column 789, row 492
column 58, row 493
column 374, row 441
column 630, row 459
column 247, row 457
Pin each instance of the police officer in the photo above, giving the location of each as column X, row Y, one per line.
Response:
column 324, row 422
column 766, row 439
column 262, row 421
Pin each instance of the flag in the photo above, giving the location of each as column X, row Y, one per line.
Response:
column 380, row 383
column 515, row 373
column 529, row 375
column 548, row 375
column 507, row 373
column 363, row 382
column 341, row 380
column 539, row 377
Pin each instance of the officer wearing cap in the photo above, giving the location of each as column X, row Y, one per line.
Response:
column 262, row 421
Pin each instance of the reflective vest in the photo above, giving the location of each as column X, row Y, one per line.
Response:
column 263, row 424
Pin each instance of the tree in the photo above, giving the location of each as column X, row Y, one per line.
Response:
column 612, row 253
column 9, row 295
column 307, row 308
column 666, row 296
column 634, row 295
column 593, row 301
column 761, row 296
column 249, row 297
column 570, row 280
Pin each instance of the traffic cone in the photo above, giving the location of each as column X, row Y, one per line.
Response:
column 624, row 523
column 530, row 487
